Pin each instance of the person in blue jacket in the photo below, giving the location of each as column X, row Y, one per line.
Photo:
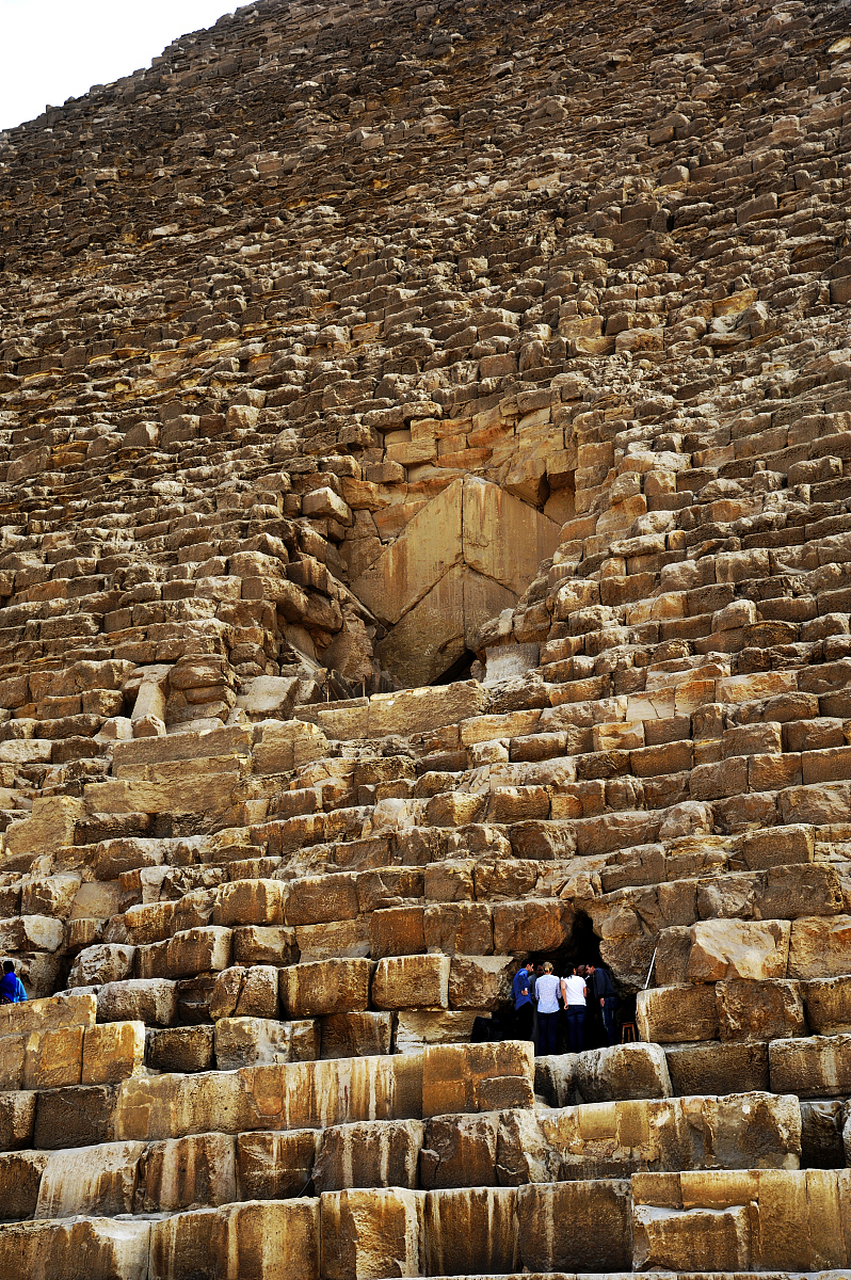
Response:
column 524, row 1009
column 11, row 988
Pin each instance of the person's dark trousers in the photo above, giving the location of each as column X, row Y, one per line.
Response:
column 575, row 1025
column 610, row 1003
column 547, row 1032
column 524, row 1021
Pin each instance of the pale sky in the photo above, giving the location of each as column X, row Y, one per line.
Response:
column 50, row 51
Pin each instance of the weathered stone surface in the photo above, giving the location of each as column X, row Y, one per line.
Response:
column 356, row 347
column 262, row 1238
column 370, row 1233
column 411, row 982
column 325, row 987
column 480, row 1077
column 376, row 1154
column 149, row 1000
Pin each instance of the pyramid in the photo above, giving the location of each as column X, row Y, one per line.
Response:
column 425, row 546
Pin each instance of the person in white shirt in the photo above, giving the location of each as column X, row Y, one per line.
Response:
column 546, row 993
column 573, row 992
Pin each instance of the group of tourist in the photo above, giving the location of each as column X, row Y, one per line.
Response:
column 541, row 999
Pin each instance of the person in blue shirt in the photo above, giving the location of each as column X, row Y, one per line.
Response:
column 11, row 988
column 524, row 1009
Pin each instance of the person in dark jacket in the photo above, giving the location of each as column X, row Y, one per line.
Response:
column 602, row 990
column 11, row 988
column 524, row 1009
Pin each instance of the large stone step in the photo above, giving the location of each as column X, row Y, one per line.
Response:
column 733, row 1223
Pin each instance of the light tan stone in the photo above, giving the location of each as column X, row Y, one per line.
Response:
column 411, row 982
column 370, row 1233
column 113, row 1051
column 820, row 947
column 738, row 949
column 326, row 986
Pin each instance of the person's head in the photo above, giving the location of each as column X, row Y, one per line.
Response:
column 548, row 968
column 8, row 966
column 570, row 971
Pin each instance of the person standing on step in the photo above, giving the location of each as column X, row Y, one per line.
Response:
column 524, row 1009
column 603, row 991
column 573, row 993
column 546, row 993
column 11, row 988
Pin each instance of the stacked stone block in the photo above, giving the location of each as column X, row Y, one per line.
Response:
column 425, row 503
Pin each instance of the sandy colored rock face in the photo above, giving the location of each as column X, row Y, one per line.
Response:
column 425, row 472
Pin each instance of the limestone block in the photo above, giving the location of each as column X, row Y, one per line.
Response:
column 243, row 993
column 152, row 1001
column 113, row 1051
column 104, row 963
column 471, row 1230
column 480, row 982
column 760, row 1011
column 20, row 1177
column 477, row 1077
column 411, row 982
column 49, row 1014
column 17, row 1117
column 264, row 944
column 370, row 1233
column 712, row 1239
column 53, row 820
column 521, row 927
column 418, row 1027
column 12, row 1054
column 622, row 1071
column 319, row 899
column 75, row 1117
column 189, row 952
column 575, row 1226
column 356, row 1035
column 104, row 1247
column 459, row 1151
column 410, row 566
column 811, row 1067
column 820, row 947
column 281, row 746
column 50, row 895
column 376, row 1153
column 180, row 1049
column 97, row 1181
column 828, row 1005
column 258, row 902
column 396, row 931
column 263, row 1239
column 275, row 1166
column 31, row 933
column 246, row 1042
column 725, row 949
column 667, row 1015
column 717, row 1068
column 268, row 697
column 324, row 987
column 779, row 847
column 53, row 1059
column 337, row 939
column 415, row 711
column 186, row 1173
column 460, row 926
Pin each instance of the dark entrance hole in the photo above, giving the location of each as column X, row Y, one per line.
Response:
column 460, row 669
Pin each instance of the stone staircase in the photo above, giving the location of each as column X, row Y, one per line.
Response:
column 425, row 499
